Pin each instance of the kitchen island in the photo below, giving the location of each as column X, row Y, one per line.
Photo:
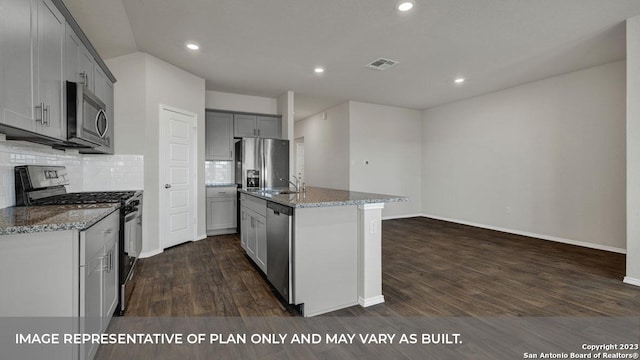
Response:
column 335, row 251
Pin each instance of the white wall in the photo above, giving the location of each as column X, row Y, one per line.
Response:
column 129, row 102
column 145, row 82
column 546, row 158
column 390, row 139
column 326, row 147
column 235, row 102
column 633, row 151
column 172, row 86
column 285, row 108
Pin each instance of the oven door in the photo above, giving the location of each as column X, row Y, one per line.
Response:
column 131, row 246
column 87, row 122
column 133, row 235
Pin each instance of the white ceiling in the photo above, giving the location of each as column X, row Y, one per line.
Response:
column 267, row 47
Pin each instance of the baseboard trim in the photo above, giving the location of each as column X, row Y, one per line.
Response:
column 631, row 281
column 222, row 232
column 392, row 217
column 151, row 253
column 200, row 237
column 371, row 301
column 533, row 235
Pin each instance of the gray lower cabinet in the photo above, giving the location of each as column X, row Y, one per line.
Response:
column 221, row 210
column 219, row 136
column 31, row 60
column 98, row 278
column 248, row 125
column 66, row 274
column 253, row 231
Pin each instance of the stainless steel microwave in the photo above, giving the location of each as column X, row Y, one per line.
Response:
column 87, row 122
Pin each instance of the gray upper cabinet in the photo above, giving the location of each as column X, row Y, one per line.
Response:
column 268, row 126
column 219, row 136
column 246, row 125
column 79, row 64
column 16, row 97
column 31, row 58
column 49, row 74
column 41, row 47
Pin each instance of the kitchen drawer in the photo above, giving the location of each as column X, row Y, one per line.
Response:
column 97, row 236
column 255, row 204
column 221, row 191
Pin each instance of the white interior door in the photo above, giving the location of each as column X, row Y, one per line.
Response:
column 177, row 176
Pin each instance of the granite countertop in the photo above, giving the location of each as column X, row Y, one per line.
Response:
column 222, row 185
column 32, row 219
column 321, row 197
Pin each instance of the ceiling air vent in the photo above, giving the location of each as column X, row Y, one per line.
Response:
column 381, row 64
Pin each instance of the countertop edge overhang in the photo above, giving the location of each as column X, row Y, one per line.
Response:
column 323, row 197
column 44, row 218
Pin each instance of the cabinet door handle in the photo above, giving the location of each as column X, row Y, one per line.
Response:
column 258, row 132
column 47, row 115
column 40, row 109
column 108, row 231
column 104, row 262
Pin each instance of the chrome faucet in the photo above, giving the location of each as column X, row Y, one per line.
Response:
column 296, row 185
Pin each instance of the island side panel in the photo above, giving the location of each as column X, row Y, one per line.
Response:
column 370, row 254
column 325, row 258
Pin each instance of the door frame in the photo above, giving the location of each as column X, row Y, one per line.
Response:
column 193, row 183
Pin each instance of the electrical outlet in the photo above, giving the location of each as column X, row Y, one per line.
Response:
column 372, row 227
column 507, row 210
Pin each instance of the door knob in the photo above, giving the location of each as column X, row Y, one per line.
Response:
column 167, row 186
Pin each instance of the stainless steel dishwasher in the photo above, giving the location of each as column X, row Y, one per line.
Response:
column 279, row 248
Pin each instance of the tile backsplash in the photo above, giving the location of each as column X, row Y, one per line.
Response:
column 86, row 172
column 113, row 172
column 218, row 172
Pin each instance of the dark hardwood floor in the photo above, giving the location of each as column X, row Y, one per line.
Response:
column 430, row 268
column 212, row 277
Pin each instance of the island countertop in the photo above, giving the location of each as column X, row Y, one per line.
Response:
column 32, row 219
column 322, row 197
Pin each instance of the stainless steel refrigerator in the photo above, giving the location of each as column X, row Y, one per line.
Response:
column 262, row 163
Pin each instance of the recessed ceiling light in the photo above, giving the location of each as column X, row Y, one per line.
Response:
column 459, row 80
column 193, row 46
column 406, row 5
column 318, row 70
